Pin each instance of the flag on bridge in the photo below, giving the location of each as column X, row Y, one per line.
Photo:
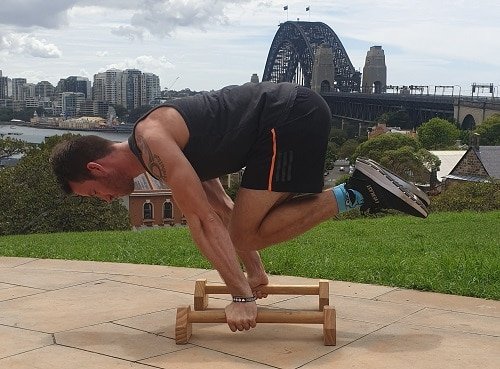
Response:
column 307, row 8
column 285, row 7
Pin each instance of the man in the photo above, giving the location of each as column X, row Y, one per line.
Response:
column 278, row 133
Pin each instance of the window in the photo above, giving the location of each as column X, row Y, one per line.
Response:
column 168, row 210
column 148, row 211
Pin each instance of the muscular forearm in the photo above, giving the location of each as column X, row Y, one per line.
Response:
column 212, row 238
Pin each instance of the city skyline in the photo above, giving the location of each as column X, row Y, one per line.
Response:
column 205, row 45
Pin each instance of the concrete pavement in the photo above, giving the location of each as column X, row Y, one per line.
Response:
column 76, row 314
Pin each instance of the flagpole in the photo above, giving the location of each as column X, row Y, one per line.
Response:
column 286, row 8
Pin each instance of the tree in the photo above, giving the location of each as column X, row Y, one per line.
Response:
column 337, row 136
column 400, row 153
column 138, row 113
column 121, row 111
column 25, row 114
column 489, row 131
column 11, row 146
column 33, row 203
column 438, row 134
column 6, row 114
column 375, row 147
column 330, row 156
column 348, row 148
column 395, row 119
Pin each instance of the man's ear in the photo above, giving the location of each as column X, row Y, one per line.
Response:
column 95, row 169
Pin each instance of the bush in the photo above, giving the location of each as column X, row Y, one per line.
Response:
column 468, row 196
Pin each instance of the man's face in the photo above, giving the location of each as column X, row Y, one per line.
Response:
column 106, row 186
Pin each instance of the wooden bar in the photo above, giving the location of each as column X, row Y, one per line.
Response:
column 327, row 317
column 269, row 289
column 202, row 290
column 324, row 294
column 200, row 295
column 263, row 316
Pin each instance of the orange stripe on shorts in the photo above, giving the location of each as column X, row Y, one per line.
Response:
column 271, row 169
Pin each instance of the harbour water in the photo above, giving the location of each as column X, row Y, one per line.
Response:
column 38, row 135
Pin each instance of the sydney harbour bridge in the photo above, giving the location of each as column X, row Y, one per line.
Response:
column 291, row 58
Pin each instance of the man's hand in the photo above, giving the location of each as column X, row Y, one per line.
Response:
column 241, row 315
column 256, row 282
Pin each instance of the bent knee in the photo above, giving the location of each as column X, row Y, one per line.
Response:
column 245, row 240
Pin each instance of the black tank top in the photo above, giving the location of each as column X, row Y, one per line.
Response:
column 223, row 125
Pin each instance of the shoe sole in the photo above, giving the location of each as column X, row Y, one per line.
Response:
column 391, row 184
column 409, row 186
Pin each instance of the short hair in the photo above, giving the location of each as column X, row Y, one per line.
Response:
column 69, row 159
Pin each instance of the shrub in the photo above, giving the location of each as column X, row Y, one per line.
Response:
column 468, row 196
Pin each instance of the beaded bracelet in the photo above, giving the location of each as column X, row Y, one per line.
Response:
column 244, row 299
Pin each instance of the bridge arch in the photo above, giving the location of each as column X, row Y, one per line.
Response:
column 292, row 51
column 469, row 122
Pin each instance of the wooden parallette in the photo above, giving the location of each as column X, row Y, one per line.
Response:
column 202, row 291
column 327, row 317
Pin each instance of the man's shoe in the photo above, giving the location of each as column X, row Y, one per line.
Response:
column 406, row 185
column 382, row 189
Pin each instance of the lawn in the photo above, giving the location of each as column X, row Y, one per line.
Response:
column 457, row 253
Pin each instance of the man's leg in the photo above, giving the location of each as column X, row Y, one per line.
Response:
column 262, row 218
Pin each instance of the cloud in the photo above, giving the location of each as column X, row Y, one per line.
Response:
column 159, row 17
column 32, row 13
column 130, row 32
column 146, row 63
column 162, row 18
column 20, row 43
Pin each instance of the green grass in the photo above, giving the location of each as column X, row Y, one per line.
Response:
column 457, row 253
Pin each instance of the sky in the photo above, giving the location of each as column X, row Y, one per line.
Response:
column 207, row 44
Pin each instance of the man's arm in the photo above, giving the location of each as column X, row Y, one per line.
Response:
column 164, row 158
column 223, row 206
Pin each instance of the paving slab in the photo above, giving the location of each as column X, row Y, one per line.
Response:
column 11, row 262
column 118, row 341
column 200, row 358
column 66, row 314
column 406, row 346
column 46, row 279
column 444, row 301
column 16, row 341
column 378, row 312
column 86, row 304
column 279, row 345
column 14, row 292
column 60, row 357
column 111, row 268
column 456, row 321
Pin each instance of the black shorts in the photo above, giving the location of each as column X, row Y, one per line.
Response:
column 290, row 157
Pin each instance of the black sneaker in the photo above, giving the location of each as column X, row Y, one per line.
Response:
column 382, row 189
column 406, row 185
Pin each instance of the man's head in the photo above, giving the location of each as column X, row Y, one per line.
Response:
column 84, row 166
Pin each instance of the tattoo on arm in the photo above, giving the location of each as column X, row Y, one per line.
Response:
column 153, row 161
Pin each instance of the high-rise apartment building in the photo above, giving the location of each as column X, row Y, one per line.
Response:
column 132, row 87
column 5, row 87
column 99, row 87
column 18, row 88
column 71, row 103
column 113, row 83
column 44, row 90
column 152, row 88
